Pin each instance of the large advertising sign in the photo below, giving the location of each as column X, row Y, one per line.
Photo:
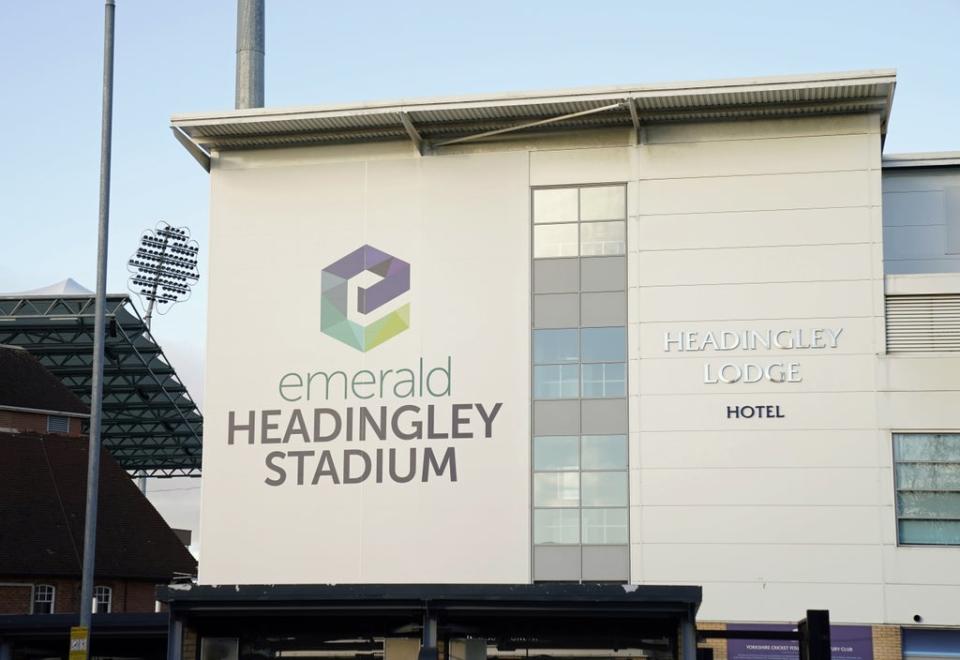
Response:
column 367, row 418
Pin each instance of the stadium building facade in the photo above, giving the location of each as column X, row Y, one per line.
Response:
column 697, row 334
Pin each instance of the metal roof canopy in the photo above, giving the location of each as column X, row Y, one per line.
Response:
column 433, row 123
column 151, row 426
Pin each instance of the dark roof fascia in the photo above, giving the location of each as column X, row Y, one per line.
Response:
column 148, row 623
column 528, row 598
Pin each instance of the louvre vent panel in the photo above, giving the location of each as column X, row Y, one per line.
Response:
column 923, row 323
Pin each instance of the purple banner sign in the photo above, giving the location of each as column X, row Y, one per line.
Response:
column 846, row 642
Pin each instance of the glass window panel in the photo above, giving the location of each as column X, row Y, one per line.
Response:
column 605, row 526
column 603, row 203
column 604, row 488
column 604, row 380
column 554, row 241
column 928, row 476
column 558, row 381
column 553, row 346
column 601, row 238
column 927, row 446
column 604, row 344
column 556, row 452
column 556, row 526
column 930, row 532
column 555, row 205
column 556, row 489
column 928, row 505
column 604, row 452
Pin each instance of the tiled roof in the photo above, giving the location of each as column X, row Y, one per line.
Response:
column 42, row 505
column 25, row 383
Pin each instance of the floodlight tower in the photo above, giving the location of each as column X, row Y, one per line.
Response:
column 164, row 268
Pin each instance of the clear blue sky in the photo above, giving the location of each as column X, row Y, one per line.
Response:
column 178, row 56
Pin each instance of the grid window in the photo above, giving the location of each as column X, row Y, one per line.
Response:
column 556, row 489
column 927, row 471
column 604, row 452
column 556, row 381
column 556, row 452
column 555, row 346
column 604, row 380
column 556, row 526
column 602, row 238
column 554, row 241
column 605, row 526
column 43, row 597
column 102, row 599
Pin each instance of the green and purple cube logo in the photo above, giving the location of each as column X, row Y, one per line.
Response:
column 334, row 298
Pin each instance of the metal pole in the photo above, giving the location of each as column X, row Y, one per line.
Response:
column 96, row 394
column 250, row 47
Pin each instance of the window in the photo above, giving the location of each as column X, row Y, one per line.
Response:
column 604, row 380
column 555, row 346
column 604, row 452
column 556, row 526
column 556, row 381
column 927, row 475
column 604, row 344
column 605, row 526
column 43, row 598
column 604, row 488
column 58, row 424
column 587, row 221
column 556, row 452
column 102, row 599
column 556, row 489
column 602, row 238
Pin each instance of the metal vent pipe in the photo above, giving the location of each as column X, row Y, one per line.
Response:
column 250, row 47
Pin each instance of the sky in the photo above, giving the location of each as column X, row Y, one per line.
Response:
column 178, row 56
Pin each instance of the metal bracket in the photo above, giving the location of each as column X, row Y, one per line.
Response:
column 635, row 118
column 192, row 147
column 412, row 131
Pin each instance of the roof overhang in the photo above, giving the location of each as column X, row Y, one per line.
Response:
column 151, row 425
column 434, row 123
column 926, row 159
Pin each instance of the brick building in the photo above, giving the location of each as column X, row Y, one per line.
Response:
column 43, row 464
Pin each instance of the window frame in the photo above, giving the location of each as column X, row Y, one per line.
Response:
column 896, row 490
column 96, row 599
column 34, row 594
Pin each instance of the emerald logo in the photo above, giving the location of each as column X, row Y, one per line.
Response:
column 334, row 298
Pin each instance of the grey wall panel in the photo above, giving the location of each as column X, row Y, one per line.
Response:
column 604, row 273
column 606, row 562
column 603, row 416
column 556, row 417
column 600, row 309
column 953, row 220
column 556, row 562
column 556, row 275
column 556, row 310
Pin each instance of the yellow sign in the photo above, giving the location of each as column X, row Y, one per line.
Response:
column 79, row 642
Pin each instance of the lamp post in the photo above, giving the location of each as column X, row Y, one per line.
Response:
column 96, row 394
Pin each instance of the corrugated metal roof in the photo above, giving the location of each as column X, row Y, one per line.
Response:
column 438, row 120
column 923, row 159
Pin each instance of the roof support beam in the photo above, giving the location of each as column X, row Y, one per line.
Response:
column 412, row 131
column 192, row 147
column 532, row 124
column 635, row 118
